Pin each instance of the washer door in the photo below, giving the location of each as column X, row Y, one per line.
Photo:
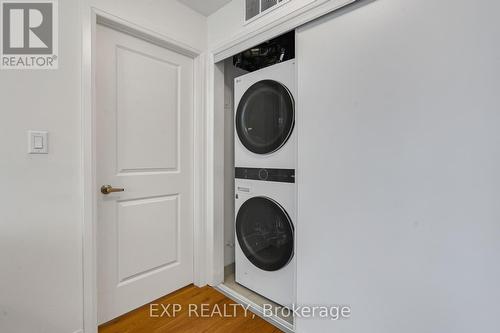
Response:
column 265, row 117
column 265, row 233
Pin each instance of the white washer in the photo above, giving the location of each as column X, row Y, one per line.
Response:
column 265, row 118
column 265, row 238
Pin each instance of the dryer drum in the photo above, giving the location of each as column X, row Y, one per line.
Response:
column 265, row 233
column 265, row 117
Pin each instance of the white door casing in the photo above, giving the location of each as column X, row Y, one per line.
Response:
column 144, row 136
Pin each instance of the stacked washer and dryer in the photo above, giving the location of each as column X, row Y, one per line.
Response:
column 265, row 189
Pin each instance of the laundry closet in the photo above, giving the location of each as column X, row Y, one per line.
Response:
column 257, row 145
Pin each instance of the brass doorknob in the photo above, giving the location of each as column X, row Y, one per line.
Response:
column 107, row 189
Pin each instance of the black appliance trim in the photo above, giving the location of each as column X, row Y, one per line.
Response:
column 256, row 258
column 245, row 110
column 264, row 174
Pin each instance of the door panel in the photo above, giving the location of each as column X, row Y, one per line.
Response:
column 151, row 244
column 144, row 129
column 147, row 98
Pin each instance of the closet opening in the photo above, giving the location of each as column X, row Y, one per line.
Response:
column 255, row 146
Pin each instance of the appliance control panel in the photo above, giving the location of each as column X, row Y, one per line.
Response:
column 263, row 174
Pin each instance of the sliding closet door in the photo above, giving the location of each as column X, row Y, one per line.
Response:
column 399, row 166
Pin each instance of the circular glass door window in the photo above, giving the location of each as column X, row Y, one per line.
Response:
column 265, row 233
column 265, row 117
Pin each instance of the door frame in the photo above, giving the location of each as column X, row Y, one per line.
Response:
column 92, row 16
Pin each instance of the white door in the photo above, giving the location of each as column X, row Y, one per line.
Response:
column 144, row 128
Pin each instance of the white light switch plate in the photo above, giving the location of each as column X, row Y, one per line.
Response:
column 38, row 142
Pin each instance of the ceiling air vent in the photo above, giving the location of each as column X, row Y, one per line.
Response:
column 257, row 8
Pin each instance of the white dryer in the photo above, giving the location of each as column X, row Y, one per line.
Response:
column 265, row 233
column 265, row 118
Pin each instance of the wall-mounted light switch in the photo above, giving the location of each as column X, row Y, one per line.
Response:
column 37, row 142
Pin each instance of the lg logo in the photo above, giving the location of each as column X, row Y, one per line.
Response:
column 29, row 28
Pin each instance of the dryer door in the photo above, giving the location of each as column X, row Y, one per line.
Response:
column 265, row 117
column 265, row 233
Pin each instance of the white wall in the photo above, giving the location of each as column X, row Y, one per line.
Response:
column 228, row 34
column 228, row 22
column 227, row 120
column 399, row 159
column 41, row 195
column 40, row 214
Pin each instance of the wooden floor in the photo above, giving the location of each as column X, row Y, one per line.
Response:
column 140, row 321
